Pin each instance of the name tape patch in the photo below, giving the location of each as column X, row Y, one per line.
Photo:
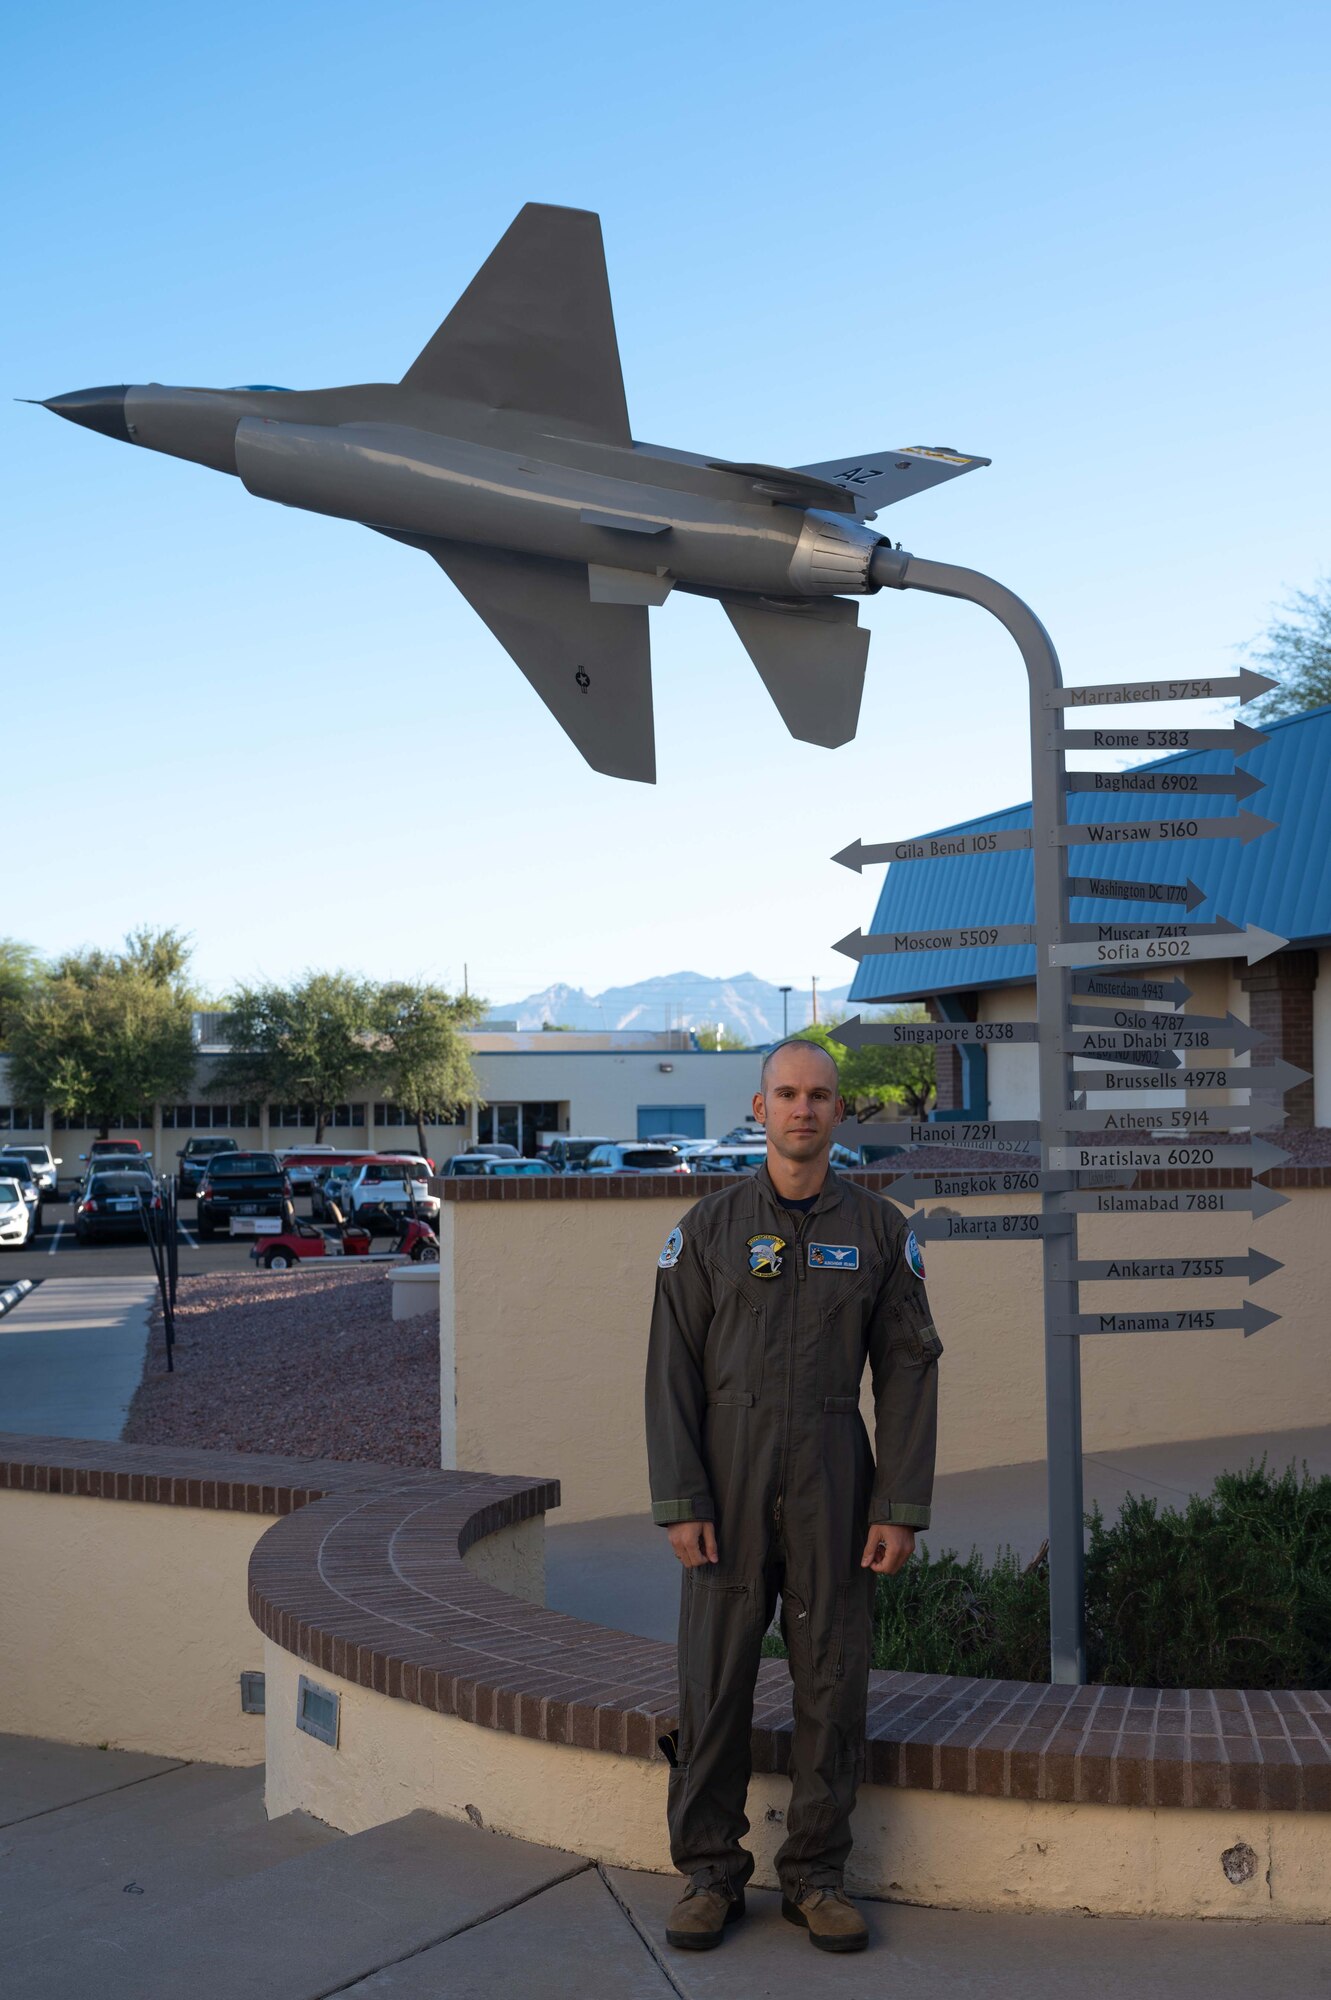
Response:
column 834, row 1257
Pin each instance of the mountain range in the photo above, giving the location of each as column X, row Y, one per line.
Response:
column 742, row 1003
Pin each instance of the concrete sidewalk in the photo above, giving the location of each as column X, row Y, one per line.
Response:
column 136, row 1878
column 621, row 1571
column 71, row 1356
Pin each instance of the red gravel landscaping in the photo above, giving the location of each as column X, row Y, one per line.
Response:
column 312, row 1365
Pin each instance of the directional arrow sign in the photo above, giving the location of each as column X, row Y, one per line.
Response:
column 1229, row 784
column 1115, row 933
column 1106, row 890
column 962, row 1182
column 1251, row 943
column 856, row 945
column 933, row 847
column 1202, row 1319
column 1128, row 1042
column 1183, row 1031
column 990, row 1228
column 1239, row 738
column 1244, row 826
column 1278, row 1076
column 1176, row 1201
column 1105, row 986
column 1246, row 685
column 992, row 1135
column 1257, row 1157
column 1254, row 1267
column 858, row 1034
column 1156, row 1061
column 1174, row 1118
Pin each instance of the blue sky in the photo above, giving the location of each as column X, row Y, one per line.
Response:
column 1087, row 242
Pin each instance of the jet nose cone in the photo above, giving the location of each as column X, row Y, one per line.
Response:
column 96, row 409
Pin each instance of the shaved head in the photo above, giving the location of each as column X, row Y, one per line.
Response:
column 797, row 1042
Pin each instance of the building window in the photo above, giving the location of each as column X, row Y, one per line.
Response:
column 295, row 1117
column 88, row 1121
column 21, row 1118
column 209, row 1117
column 685, row 1121
column 394, row 1114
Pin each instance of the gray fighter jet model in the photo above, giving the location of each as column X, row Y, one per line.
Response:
column 505, row 453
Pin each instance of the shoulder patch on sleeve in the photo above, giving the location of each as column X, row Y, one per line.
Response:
column 674, row 1243
column 914, row 1256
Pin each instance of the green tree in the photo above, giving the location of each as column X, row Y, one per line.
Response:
column 875, row 1075
column 712, row 1035
column 1297, row 650
column 20, row 969
column 307, row 1043
column 422, row 1061
column 105, row 1035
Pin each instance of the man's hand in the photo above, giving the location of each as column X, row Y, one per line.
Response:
column 888, row 1549
column 694, row 1542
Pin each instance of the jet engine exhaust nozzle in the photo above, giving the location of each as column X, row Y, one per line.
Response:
column 96, row 409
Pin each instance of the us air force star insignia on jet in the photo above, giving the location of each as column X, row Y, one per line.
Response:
column 765, row 1255
column 674, row 1243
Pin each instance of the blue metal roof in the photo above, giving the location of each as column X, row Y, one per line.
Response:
column 1281, row 880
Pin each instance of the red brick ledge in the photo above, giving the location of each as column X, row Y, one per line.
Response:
column 364, row 1579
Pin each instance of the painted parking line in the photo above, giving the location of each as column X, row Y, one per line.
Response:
column 55, row 1241
column 188, row 1238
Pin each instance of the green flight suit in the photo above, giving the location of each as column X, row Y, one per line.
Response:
column 763, row 1322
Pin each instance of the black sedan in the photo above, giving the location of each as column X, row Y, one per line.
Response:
column 112, row 1204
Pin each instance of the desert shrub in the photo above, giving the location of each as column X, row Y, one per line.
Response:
column 1233, row 1589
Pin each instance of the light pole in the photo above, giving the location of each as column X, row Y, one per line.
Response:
column 785, row 1011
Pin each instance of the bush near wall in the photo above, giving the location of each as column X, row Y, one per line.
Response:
column 1231, row 1590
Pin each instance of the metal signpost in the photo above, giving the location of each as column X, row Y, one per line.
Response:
column 1088, row 1158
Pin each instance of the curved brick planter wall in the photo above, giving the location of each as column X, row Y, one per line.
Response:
column 363, row 1578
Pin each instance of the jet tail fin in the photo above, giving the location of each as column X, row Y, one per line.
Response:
column 877, row 479
column 811, row 659
column 535, row 330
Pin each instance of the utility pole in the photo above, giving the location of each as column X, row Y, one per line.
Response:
column 785, row 1012
column 815, row 999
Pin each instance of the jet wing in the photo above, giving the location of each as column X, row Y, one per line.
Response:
column 534, row 331
column 811, row 658
column 877, row 479
column 591, row 664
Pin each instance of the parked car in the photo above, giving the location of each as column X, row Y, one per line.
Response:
column 500, row 1169
column 380, row 1190
column 626, row 1159
column 16, row 1222
column 111, row 1149
column 112, row 1204
column 240, row 1184
column 14, row 1167
column 395, row 1152
column 465, row 1166
column 301, row 1163
column 194, row 1156
column 724, row 1159
column 569, row 1156
column 42, row 1162
column 499, row 1150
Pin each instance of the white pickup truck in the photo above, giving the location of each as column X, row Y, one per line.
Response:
column 386, row 1187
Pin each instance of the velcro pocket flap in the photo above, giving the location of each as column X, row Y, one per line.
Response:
column 841, row 1406
column 732, row 1399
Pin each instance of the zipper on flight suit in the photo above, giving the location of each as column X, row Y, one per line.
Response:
column 798, row 1247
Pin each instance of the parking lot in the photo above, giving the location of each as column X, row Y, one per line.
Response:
column 54, row 1248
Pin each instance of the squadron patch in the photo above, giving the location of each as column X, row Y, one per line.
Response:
column 913, row 1256
column 765, row 1255
column 834, row 1257
column 669, row 1256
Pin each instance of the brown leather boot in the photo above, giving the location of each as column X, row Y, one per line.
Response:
column 699, row 1918
column 830, row 1918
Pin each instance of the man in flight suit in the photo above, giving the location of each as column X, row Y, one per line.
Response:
column 770, row 1297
